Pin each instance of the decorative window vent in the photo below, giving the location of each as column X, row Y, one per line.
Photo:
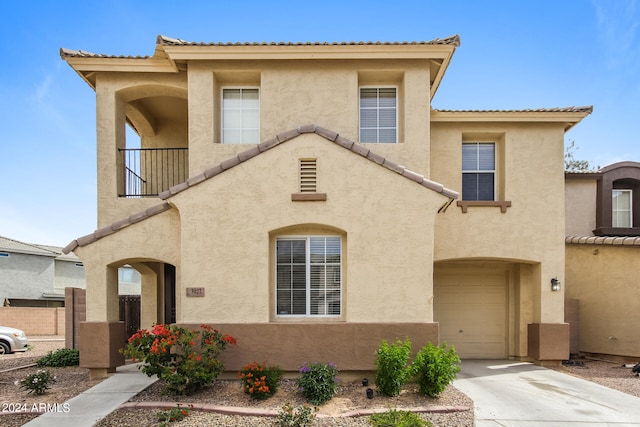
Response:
column 308, row 173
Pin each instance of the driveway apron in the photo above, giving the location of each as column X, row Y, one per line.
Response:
column 519, row 394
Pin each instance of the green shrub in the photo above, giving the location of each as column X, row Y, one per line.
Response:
column 392, row 371
column 260, row 381
column 171, row 415
column 435, row 368
column 301, row 416
column 38, row 383
column 169, row 352
column 318, row 382
column 61, row 357
column 395, row 418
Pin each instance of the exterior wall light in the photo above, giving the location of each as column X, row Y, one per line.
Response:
column 555, row 284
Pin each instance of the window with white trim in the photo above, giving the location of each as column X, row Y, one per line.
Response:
column 621, row 208
column 478, row 170
column 240, row 116
column 378, row 114
column 309, row 276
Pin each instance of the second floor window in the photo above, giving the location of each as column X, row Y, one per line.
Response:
column 240, row 116
column 621, row 203
column 378, row 114
column 478, row 171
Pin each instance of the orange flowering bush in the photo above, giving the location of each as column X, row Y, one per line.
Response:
column 260, row 381
column 168, row 351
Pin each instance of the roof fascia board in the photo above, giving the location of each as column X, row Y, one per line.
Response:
column 569, row 118
column 442, row 69
column 261, row 52
column 136, row 65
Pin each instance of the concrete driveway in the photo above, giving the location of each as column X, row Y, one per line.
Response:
column 516, row 394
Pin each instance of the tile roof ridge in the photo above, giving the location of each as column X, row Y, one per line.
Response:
column 453, row 40
column 116, row 226
column 327, row 134
column 573, row 109
column 603, row 240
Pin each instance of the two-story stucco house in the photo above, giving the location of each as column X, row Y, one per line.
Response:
column 307, row 199
column 602, row 248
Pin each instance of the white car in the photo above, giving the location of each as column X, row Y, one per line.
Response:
column 12, row 339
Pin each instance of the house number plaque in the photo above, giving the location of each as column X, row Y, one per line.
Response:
column 195, row 292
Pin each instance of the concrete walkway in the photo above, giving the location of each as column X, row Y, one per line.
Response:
column 88, row 408
column 516, row 394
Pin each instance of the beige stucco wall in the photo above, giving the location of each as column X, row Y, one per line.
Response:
column 604, row 280
column 530, row 175
column 170, row 109
column 385, row 220
column 580, row 201
column 154, row 239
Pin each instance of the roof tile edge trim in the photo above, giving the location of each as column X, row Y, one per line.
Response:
column 327, row 134
column 602, row 240
column 116, row 226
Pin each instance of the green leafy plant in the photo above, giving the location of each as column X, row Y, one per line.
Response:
column 171, row 415
column 259, row 380
column 168, row 351
column 300, row 416
column 60, row 357
column 392, row 370
column 435, row 368
column 38, row 383
column 318, row 382
column 395, row 418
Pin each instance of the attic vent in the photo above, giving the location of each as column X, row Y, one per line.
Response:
column 308, row 172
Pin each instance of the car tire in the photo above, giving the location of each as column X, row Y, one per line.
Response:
column 4, row 348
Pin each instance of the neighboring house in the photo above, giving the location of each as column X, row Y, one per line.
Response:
column 34, row 275
column 307, row 199
column 602, row 249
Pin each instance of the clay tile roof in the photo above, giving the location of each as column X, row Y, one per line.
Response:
column 583, row 109
column 116, row 226
column 603, row 240
column 169, row 41
column 250, row 153
column 70, row 53
column 329, row 135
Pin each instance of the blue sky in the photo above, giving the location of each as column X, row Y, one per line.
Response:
column 513, row 54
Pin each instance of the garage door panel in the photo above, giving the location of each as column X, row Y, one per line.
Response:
column 471, row 311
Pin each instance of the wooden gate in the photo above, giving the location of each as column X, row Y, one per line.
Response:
column 130, row 313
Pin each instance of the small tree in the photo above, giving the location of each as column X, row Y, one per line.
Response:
column 571, row 164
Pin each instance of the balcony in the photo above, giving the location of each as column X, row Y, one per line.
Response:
column 148, row 172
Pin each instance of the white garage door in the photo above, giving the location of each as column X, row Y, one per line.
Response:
column 471, row 310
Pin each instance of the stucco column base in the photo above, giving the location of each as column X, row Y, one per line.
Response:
column 100, row 373
column 548, row 343
column 100, row 343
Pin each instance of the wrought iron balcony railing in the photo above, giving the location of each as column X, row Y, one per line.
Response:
column 148, row 172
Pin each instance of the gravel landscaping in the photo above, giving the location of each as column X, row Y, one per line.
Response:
column 227, row 392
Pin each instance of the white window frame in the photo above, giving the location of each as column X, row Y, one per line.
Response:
column 484, row 171
column 340, row 290
column 377, row 108
column 614, row 209
column 222, row 112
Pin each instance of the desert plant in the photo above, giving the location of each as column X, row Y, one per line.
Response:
column 60, row 357
column 392, row 370
column 435, row 368
column 168, row 351
column 395, row 418
column 259, row 380
column 300, row 416
column 318, row 382
column 171, row 415
column 38, row 383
